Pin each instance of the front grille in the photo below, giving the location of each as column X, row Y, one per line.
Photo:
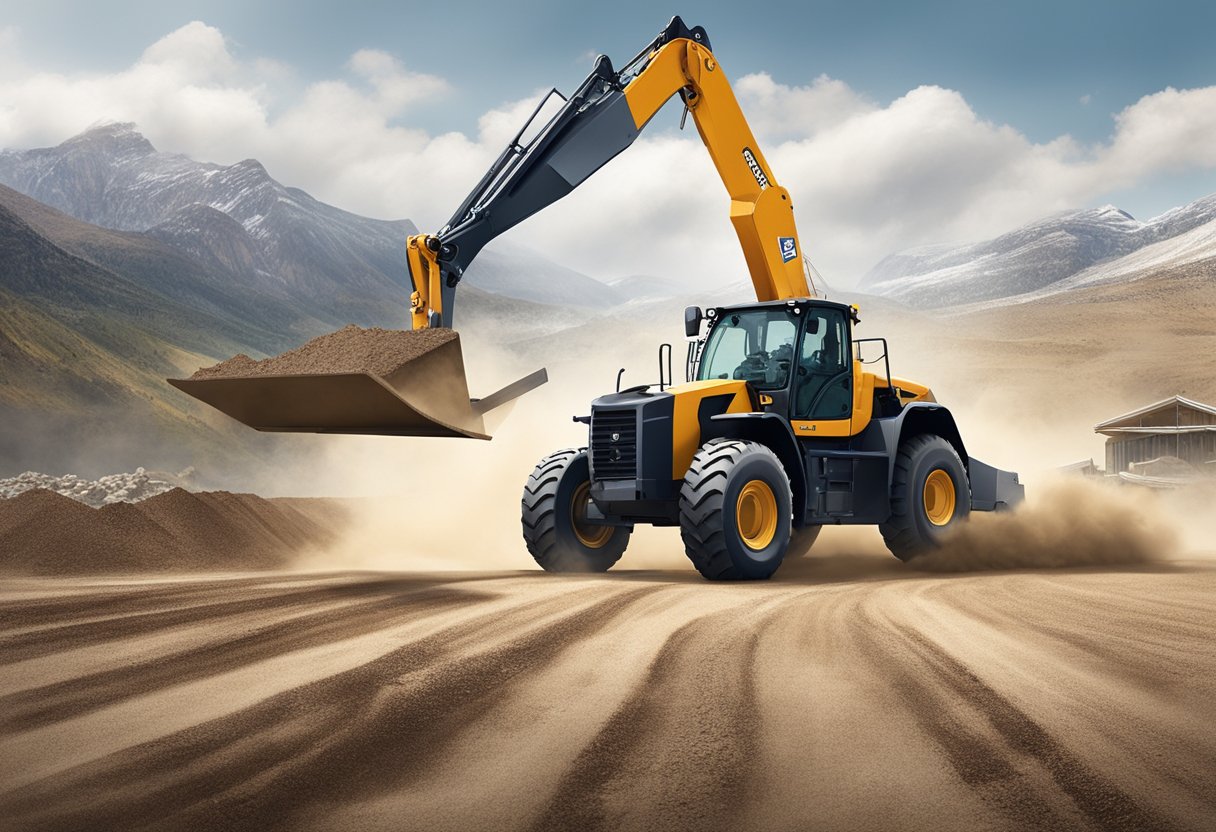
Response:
column 614, row 459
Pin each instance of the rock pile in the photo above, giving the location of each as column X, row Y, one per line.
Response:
column 114, row 488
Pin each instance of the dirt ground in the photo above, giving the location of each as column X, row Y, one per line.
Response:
column 850, row 692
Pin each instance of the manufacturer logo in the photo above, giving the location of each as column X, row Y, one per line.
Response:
column 616, row 437
column 757, row 172
column 789, row 249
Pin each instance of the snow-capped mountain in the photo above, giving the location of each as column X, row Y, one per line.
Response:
column 237, row 217
column 113, row 177
column 1049, row 255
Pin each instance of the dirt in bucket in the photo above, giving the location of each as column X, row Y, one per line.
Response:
column 351, row 349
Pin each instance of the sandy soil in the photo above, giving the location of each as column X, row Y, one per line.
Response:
column 850, row 693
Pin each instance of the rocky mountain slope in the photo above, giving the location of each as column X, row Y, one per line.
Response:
column 92, row 322
column 84, row 351
column 278, row 239
column 266, row 319
column 1050, row 255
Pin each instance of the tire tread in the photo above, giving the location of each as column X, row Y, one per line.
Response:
column 702, row 505
column 538, row 518
column 899, row 533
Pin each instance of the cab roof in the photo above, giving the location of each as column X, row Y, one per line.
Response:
column 780, row 304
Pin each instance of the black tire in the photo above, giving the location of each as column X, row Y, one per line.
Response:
column 801, row 541
column 550, row 523
column 709, row 503
column 910, row 531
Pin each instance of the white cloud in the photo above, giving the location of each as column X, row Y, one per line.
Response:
column 868, row 178
column 195, row 52
column 187, row 91
column 1171, row 130
column 395, row 86
column 778, row 111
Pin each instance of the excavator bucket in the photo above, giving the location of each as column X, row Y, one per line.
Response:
column 357, row 381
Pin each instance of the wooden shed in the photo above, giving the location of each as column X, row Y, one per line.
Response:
column 1175, row 427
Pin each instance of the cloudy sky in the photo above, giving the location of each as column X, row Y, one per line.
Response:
column 893, row 124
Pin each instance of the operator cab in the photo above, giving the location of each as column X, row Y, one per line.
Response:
column 796, row 354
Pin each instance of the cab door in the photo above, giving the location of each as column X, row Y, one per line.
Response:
column 822, row 393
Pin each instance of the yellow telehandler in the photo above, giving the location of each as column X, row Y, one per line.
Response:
column 779, row 428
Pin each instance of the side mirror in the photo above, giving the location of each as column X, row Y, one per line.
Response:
column 812, row 326
column 692, row 321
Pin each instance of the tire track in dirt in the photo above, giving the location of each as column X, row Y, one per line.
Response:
column 839, row 749
column 500, row 770
column 45, row 752
column 90, row 603
column 863, row 698
column 356, row 733
column 119, row 599
column 943, row 693
column 675, row 755
column 52, row 703
column 1101, row 801
column 1120, row 594
column 1152, row 648
column 33, row 644
column 1089, row 675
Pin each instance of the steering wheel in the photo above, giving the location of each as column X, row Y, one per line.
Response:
column 816, row 362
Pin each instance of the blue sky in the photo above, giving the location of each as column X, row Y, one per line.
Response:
column 1047, row 77
column 1026, row 63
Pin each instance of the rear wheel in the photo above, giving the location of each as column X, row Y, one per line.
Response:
column 801, row 541
column 735, row 510
column 554, row 518
column 929, row 494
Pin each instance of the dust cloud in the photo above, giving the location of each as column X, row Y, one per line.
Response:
column 418, row 503
column 1063, row 523
column 445, row 504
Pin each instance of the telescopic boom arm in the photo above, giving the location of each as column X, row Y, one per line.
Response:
column 602, row 118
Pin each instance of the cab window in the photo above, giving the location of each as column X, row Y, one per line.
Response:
column 755, row 345
column 823, row 387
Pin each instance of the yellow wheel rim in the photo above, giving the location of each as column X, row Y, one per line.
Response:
column 940, row 498
column 591, row 535
column 756, row 515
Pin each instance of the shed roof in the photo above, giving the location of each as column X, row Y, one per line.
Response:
column 1115, row 425
column 1159, row 429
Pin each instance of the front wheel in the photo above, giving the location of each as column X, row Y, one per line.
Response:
column 554, row 517
column 930, row 494
column 735, row 510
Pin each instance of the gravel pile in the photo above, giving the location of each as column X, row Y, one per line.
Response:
column 115, row 488
column 351, row 349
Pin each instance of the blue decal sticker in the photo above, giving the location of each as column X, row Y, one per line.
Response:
column 788, row 249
